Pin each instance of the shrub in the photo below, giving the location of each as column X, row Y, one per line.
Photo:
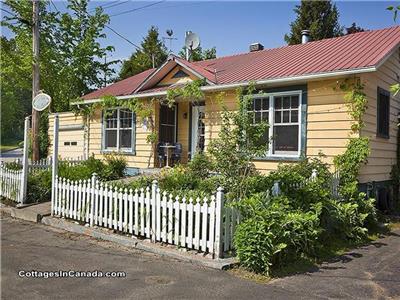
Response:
column 115, row 167
column 273, row 234
column 200, row 165
column 39, row 186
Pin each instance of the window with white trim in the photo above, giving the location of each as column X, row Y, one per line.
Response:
column 282, row 112
column 119, row 130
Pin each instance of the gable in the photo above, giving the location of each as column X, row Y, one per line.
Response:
column 177, row 76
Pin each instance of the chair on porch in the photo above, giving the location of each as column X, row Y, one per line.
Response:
column 177, row 154
column 162, row 155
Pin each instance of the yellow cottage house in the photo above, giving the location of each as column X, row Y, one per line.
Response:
column 297, row 93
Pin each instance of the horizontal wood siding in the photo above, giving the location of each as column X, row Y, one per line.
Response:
column 328, row 124
column 141, row 159
column 383, row 151
column 77, row 135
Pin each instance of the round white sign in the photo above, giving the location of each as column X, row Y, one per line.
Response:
column 41, row 101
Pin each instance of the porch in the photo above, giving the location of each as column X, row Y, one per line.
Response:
column 181, row 132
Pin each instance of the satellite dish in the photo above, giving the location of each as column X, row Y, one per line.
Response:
column 192, row 41
column 41, row 102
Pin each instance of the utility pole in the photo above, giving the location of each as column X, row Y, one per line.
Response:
column 36, row 80
column 105, row 70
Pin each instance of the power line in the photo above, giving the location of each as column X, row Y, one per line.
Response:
column 109, row 5
column 124, row 38
column 5, row 10
column 136, row 9
column 54, row 5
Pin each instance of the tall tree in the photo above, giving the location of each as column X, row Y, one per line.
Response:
column 320, row 17
column 152, row 50
column 71, row 57
column 199, row 54
column 354, row 29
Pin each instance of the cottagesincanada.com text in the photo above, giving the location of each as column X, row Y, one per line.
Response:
column 70, row 274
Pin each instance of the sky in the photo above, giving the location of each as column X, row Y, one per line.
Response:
column 230, row 26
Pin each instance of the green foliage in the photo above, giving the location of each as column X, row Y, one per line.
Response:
column 115, row 166
column 200, row 165
column 356, row 102
column 142, row 59
column 39, row 183
column 199, row 54
column 320, row 17
column 349, row 163
column 191, row 91
column 299, row 223
column 239, row 141
column 395, row 10
column 71, row 60
column 273, row 233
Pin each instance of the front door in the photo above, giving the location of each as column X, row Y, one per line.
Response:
column 167, row 124
column 198, row 129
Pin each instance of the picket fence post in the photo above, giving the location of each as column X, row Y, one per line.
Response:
column 92, row 198
column 276, row 189
column 154, row 212
column 219, row 222
column 314, row 175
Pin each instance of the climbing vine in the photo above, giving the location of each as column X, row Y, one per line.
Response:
column 349, row 163
column 190, row 91
column 143, row 109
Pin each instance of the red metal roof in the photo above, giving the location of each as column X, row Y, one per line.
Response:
column 120, row 88
column 350, row 52
column 355, row 51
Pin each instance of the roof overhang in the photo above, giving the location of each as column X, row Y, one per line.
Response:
column 163, row 70
column 222, row 87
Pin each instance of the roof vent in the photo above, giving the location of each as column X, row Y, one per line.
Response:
column 256, row 47
column 305, row 36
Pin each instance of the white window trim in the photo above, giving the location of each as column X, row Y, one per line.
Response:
column 271, row 121
column 104, row 130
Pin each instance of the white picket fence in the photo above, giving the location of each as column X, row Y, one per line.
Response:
column 11, row 183
column 206, row 225
column 46, row 163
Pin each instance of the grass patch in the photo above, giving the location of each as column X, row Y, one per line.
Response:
column 7, row 145
column 241, row 272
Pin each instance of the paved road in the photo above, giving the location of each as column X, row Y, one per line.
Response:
column 11, row 155
column 368, row 273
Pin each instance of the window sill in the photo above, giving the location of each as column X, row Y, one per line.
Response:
column 278, row 158
column 383, row 136
column 128, row 153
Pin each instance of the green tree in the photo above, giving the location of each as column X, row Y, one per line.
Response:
column 152, row 48
column 354, row 29
column 320, row 17
column 199, row 54
column 71, row 58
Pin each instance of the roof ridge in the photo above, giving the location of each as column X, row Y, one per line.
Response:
column 296, row 45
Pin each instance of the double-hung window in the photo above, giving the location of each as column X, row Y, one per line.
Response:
column 383, row 113
column 119, row 130
column 283, row 114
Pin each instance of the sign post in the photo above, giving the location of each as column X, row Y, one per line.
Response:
column 25, row 163
column 54, row 172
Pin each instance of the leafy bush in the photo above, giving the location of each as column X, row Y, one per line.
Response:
column 39, row 186
column 200, row 165
column 273, row 233
column 39, row 183
column 300, row 222
column 115, row 167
